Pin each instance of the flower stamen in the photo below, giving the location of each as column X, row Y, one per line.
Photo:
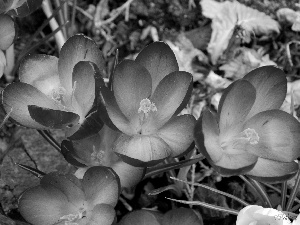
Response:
column 147, row 106
column 251, row 135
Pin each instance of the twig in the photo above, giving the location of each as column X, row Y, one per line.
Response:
column 115, row 13
column 288, row 51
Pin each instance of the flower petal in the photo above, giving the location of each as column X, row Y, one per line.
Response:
column 69, row 185
column 52, row 118
column 91, row 125
column 67, row 150
column 237, row 164
column 159, row 60
column 84, row 85
column 101, row 185
column 167, row 97
column 129, row 175
column 178, row 133
column 186, row 99
column 140, row 217
column 110, row 112
column 271, row 85
column 40, row 71
column 207, row 139
column 278, row 134
column 270, row 171
column 181, row 216
column 248, row 215
column 7, row 34
column 131, row 84
column 95, row 150
column 206, row 135
column 17, row 96
column 142, row 150
column 44, row 205
column 77, row 48
column 236, row 105
column 103, row 214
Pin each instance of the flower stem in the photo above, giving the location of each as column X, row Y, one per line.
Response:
column 283, row 195
column 294, row 191
column 48, row 137
column 262, row 192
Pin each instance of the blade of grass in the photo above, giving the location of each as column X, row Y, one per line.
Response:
column 48, row 137
column 214, row 190
column 46, row 38
column 71, row 27
column 294, row 191
column 176, row 165
column 59, row 37
column 283, row 195
column 61, row 17
column 207, row 205
column 279, row 191
column 262, row 192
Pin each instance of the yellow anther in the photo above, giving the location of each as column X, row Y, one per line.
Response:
column 251, row 135
column 147, row 106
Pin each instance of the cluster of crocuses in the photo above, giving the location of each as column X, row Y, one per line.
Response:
column 136, row 117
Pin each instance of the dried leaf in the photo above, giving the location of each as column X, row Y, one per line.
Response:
column 226, row 16
column 244, row 61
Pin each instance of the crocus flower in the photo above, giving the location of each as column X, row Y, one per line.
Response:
column 147, row 95
column 56, row 93
column 179, row 216
column 97, row 150
column 254, row 214
column 250, row 135
column 63, row 199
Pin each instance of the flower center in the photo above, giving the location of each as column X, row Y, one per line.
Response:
column 251, row 136
column 97, row 157
column 147, row 106
column 71, row 219
column 57, row 94
column 238, row 143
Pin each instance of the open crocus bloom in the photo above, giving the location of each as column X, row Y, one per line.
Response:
column 254, row 214
column 250, row 135
column 147, row 95
column 63, row 199
column 56, row 93
column 97, row 150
